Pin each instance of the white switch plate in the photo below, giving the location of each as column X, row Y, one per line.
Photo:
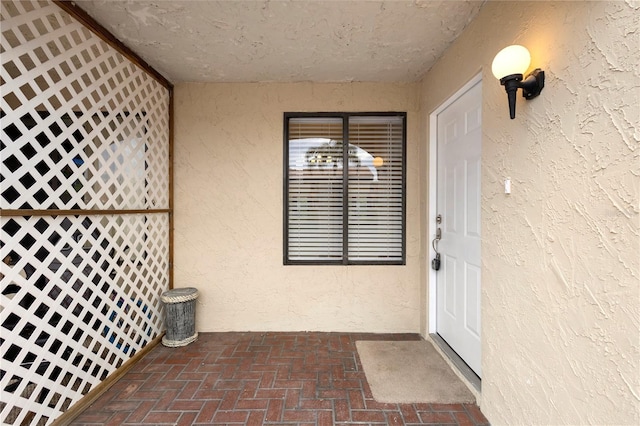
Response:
column 507, row 186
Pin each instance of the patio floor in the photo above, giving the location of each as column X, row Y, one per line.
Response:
column 262, row 378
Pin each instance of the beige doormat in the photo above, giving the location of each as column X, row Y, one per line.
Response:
column 410, row 372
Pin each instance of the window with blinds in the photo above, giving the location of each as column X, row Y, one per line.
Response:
column 344, row 215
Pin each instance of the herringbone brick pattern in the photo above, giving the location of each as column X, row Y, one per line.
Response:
column 262, row 378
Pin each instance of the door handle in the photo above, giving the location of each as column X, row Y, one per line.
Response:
column 435, row 263
column 438, row 233
column 438, row 237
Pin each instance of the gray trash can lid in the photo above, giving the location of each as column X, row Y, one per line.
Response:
column 178, row 295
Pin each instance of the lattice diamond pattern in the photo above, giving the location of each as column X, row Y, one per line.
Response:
column 81, row 128
column 81, row 297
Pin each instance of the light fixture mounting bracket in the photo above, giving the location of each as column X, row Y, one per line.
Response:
column 531, row 87
column 533, row 84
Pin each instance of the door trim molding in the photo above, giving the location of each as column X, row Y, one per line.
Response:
column 432, row 196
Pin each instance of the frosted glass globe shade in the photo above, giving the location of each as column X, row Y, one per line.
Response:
column 513, row 59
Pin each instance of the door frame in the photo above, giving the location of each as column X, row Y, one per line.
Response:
column 433, row 194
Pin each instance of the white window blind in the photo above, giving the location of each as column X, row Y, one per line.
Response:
column 339, row 216
column 376, row 190
column 315, row 189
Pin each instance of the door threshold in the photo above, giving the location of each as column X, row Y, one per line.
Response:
column 462, row 367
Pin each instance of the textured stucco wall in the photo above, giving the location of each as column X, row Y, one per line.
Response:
column 560, row 270
column 228, row 213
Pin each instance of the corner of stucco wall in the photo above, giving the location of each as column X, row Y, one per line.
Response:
column 561, row 272
column 424, row 210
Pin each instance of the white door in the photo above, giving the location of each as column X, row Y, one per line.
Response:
column 459, row 137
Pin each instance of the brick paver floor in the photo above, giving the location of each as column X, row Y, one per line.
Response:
column 262, row 378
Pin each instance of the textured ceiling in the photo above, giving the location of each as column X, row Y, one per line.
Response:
column 286, row 41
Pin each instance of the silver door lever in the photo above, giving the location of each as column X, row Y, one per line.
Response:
column 438, row 234
column 436, row 239
column 435, row 263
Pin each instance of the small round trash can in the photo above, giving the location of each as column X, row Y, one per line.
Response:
column 180, row 316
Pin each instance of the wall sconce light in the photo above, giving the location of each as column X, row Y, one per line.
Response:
column 509, row 66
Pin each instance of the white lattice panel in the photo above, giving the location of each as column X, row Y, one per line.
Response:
column 81, row 294
column 82, row 127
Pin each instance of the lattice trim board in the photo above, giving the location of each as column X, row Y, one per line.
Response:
column 81, row 128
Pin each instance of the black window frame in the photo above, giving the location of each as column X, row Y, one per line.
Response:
column 345, row 179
